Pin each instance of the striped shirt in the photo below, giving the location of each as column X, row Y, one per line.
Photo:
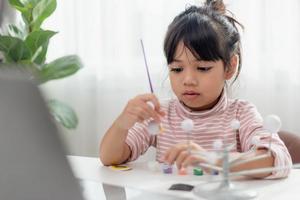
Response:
column 209, row 126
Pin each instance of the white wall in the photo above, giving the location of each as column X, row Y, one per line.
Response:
column 106, row 33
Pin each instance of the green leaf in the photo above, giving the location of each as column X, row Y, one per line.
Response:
column 42, row 10
column 37, row 42
column 63, row 113
column 15, row 31
column 22, row 5
column 34, row 12
column 60, row 68
column 30, row 2
column 14, row 49
column 18, row 5
column 25, row 7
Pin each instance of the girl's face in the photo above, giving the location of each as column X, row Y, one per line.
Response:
column 197, row 84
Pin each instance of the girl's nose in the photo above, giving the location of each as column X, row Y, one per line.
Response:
column 190, row 78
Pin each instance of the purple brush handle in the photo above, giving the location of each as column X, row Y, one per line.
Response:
column 147, row 68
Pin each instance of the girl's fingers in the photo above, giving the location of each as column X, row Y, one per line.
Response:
column 196, row 147
column 162, row 113
column 172, row 154
column 152, row 99
column 139, row 113
column 142, row 108
column 181, row 157
column 137, row 110
column 143, row 112
column 153, row 113
column 146, row 106
column 192, row 160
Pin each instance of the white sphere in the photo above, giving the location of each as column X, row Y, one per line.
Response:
column 272, row 123
column 153, row 128
column 212, row 158
column 235, row 124
column 218, row 144
column 187, row 125
column 151, row 104
column 255, row 140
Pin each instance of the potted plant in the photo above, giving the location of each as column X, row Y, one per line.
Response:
column 24, row 45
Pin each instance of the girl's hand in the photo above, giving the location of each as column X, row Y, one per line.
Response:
column 138, row 110
column 181, row 155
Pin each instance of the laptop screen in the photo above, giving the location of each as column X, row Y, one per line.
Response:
column 32, row 161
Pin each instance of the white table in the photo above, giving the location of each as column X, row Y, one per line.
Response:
column 156, row 184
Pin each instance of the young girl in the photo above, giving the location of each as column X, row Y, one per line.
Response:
column 203, row 52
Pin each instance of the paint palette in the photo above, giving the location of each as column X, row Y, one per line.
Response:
column 120, row 167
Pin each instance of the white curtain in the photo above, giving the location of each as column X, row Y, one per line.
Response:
column 106, row 35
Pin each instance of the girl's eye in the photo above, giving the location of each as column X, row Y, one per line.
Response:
column 176, row 69
column 204, row 69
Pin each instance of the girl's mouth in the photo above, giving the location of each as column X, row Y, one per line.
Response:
column 190, row 95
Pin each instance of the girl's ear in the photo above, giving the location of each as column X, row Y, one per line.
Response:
column 230, row 71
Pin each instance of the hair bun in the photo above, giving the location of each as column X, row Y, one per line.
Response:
column 216, row 5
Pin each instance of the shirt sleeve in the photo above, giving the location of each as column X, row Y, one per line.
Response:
column 139, row 140
column 252, row 125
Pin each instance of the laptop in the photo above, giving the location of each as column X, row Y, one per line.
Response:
column 33, row 165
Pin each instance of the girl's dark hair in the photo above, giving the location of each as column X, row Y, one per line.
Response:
column 207, row 31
